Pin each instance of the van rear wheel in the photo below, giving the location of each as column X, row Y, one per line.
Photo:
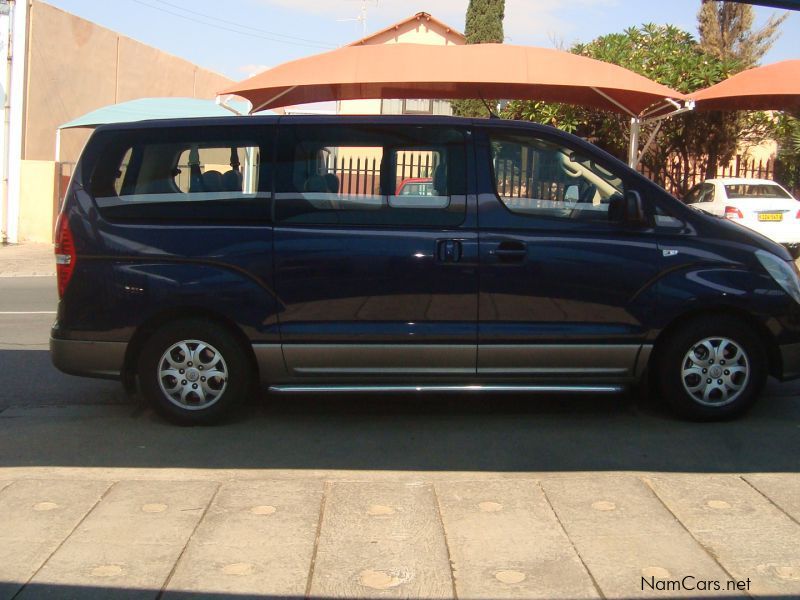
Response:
column 712, row 368
column 194, row 371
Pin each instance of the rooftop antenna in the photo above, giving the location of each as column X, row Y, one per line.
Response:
column 362, row 16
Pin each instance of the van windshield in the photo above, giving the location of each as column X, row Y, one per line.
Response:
column 755, row 190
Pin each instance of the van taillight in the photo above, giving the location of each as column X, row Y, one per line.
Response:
column 65, row 254
column 731, row 212
column 797, row 216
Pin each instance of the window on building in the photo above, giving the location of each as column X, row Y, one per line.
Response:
column 418, row 107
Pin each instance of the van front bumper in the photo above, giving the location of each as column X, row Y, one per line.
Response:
column 88, row 359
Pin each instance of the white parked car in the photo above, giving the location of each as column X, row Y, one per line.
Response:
column 760, row 204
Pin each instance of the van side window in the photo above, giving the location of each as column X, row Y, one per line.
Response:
column 662, row 218
column 538, row 178
column 178, row 174
column 182, row 172
column 370, row 176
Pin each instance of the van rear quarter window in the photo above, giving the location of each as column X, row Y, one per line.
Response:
column 182, row 174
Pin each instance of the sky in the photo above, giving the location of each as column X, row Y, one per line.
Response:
column 241, row 37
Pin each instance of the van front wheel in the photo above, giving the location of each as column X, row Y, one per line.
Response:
column 712, row 369
column 194, row 371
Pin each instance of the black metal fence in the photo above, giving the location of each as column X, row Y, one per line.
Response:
column 679, row 179
column 522, row 179
column 362, row 175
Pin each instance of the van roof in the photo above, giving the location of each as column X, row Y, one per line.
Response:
column 236, row 121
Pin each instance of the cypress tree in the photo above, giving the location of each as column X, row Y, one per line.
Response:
column 485, row 21
column 484, row 24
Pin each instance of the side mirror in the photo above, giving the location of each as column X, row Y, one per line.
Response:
column 634, row 209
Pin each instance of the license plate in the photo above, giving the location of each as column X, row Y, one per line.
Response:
column 770, row 217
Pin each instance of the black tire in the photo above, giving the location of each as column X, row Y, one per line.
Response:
column 673, row 358
column 794, row 251
column 223, row 393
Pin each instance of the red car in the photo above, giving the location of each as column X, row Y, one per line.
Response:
column 415, row 186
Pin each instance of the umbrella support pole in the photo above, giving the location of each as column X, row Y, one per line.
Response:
column 649, row 141
column 633, row 144
column 271, row 100
column 634, row 156
column 619, row 105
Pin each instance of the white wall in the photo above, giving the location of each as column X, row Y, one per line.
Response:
column 14, row 133
column 4, row 18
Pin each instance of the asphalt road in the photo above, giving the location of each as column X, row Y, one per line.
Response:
column 27, row 378
column 453, row 496
column 495, row 433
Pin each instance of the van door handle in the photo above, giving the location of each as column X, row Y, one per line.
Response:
column 511, row 251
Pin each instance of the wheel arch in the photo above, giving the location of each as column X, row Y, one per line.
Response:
column 771, row 349
column 154, row 322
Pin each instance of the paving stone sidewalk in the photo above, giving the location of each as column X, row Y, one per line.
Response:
column 27, row 260
column 595, row 535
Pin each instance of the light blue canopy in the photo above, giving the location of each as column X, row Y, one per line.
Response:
column 144, row 109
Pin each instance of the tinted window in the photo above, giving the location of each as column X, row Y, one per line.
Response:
column 703, row 192
column 536, row 177
column 755, row 190
column 707, row 193
column 182, row 173
column 693, row 195
column 662, row 218
column 370, row 176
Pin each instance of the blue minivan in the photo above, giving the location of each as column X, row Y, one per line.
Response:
column 198, row 259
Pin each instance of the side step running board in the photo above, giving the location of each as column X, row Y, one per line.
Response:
column 550, row 389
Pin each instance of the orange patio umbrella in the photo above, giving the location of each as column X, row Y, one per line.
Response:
column 771, row 87
column 471, row 71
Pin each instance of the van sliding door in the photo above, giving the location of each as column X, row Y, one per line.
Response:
column 375, row 252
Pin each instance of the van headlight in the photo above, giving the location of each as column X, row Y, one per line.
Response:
column 784, row 273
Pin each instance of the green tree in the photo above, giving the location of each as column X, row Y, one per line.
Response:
column 726, row 31
column 484, row 25
column 665, row 54
column 787, row 134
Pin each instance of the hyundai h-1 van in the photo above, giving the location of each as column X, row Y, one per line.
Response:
column 199, row 259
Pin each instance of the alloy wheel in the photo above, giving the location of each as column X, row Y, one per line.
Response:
column 192, row 374
column 715, row 371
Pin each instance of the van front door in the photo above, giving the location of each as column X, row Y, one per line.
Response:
column 376, row 252
column 566, row 288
